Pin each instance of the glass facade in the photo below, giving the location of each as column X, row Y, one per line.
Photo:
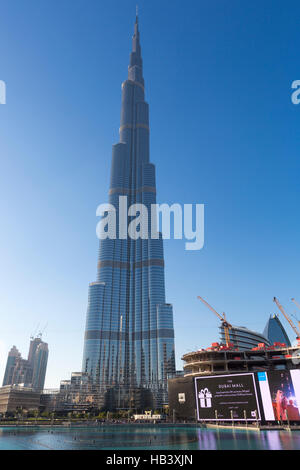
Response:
column 242, row 338
column 129, row 336
column 275, row 332
column 39, row 366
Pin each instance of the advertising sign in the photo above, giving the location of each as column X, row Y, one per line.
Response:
column 227, row 398
column 280, row 394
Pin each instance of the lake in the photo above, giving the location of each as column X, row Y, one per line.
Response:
column 139, row 437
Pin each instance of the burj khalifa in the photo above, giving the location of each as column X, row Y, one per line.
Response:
column 129, row 334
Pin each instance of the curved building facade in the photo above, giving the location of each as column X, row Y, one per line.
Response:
column 129, row 336
column 275, row 332
column 243, row 338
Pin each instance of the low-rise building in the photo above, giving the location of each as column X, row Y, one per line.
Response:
column 14, row 397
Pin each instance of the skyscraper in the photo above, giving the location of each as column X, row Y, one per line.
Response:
column 30, row 372
column 129, row 336
column 12, row 359
column 275, row 331
column 39, row 365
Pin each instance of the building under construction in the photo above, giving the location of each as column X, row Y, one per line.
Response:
column 219, row 359
column 236, row 383
column 227, row 383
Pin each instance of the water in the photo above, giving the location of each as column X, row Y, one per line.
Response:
column 139, row 437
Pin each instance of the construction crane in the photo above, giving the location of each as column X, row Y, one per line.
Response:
column 42, row 331
column 33, row 335
column 295, row 302
column 287, row 318
column 227, row 326
column 298, row 305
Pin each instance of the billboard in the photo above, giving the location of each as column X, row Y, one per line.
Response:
column 280, row 394
column 227, row 398
column 182, row 403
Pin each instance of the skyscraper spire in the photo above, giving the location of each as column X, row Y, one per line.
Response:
column 135, row 69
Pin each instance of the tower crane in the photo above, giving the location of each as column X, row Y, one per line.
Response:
column 42, row 331
column 295, row 302
column 298, row 305
column 287, row 318
column 227, row 326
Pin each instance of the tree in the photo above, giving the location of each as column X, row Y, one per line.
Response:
column 36, row 415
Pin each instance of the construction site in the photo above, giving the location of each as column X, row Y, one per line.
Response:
column 245, row 378
column 232, row 338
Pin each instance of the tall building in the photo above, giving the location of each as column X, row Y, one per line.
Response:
column 22, row 373
column 129, row 336
column 243, row 338
column 30, row 372
column 39, row 366
column 12, row 359
column 275, row 332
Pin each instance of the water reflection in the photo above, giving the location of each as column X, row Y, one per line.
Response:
column 207, row 439
column 117, row 437
column 273, row 439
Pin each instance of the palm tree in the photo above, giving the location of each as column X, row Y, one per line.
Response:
column 36, row 415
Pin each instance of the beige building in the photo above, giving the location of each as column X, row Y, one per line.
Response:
column 13, row 397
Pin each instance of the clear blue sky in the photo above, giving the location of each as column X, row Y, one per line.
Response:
column 223, row 132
